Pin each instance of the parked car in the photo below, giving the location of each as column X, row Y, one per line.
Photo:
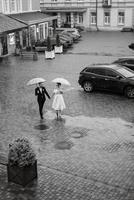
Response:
column 112, row 77
column 79, row 27
column 73, row 36
column 125, row 61
column 127, row 29
column 66, row 38
column 70, row 30
column 131, row 46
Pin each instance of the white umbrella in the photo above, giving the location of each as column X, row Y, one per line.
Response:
column 61, row 80
column 36, row 81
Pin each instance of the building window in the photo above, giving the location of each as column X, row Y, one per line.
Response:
column 29, row 5
column 80, row 18
column 19, row 5
column 107, row 18
column 13, row 5
column 75, row 18
column 68, row 18
column 32, row 35
column 93, row 18
column 41, row 31
column 6, row 6
column 107, row 2
column 121, row 18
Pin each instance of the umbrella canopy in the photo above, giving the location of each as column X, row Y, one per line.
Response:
column 36, row 81
column 61, row 80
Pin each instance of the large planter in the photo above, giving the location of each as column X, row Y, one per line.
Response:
column 59, row 49
column 22, row 175
column 49, row 54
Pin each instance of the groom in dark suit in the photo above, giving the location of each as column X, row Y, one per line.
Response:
column 41, row 93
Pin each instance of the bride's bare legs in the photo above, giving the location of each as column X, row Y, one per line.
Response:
column 59, row 113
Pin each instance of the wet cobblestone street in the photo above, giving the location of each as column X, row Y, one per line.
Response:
column 89, row 154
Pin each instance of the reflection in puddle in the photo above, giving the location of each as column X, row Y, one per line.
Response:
column 41, row 127
column 64, row 145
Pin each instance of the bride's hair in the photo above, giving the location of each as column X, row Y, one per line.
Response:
column 58, row 84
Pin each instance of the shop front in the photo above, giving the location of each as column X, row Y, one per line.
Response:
column 10, row 30
column 37, row 27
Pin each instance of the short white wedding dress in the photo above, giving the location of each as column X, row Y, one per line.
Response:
column 58, row 101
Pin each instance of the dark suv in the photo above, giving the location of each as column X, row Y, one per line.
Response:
column 110, row 77
column 126, row 61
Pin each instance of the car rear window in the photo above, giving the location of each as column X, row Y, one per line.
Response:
column 126, row 72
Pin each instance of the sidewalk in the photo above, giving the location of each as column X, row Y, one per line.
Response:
column 78, row 160
column 90, row 154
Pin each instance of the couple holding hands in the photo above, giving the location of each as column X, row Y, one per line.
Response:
column 58, row 103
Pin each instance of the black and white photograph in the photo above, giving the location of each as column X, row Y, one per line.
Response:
column 66, row 99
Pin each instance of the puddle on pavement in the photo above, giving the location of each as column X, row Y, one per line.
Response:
column 64, row 145
column 90, row 123
column 78, row 132
column 76, row 135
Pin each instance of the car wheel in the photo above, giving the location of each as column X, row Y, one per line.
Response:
column 129, row 92
column 88, row 86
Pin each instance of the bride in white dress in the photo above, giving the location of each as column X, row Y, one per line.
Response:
column 58, row 101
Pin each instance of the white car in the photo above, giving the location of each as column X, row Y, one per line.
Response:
column 71, row 30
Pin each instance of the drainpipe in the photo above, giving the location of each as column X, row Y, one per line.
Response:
column 97, row 15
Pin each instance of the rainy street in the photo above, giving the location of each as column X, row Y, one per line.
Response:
column 89, row 153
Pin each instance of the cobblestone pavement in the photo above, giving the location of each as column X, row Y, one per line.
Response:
column 88, row 155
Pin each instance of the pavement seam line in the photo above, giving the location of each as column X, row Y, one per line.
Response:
column 91, row 179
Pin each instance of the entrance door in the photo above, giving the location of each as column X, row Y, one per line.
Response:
column 68, row 20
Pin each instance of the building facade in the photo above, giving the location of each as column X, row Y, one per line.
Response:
column 28, row 13
column 92, row 14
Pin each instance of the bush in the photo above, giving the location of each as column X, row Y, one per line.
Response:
column 40, row 43
column 21, row 153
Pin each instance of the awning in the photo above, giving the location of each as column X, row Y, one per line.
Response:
column 32, row 18
column 8, row 25
column 63, row 9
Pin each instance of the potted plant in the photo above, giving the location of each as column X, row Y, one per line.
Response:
column 49, row 53
column 22, row 163
column 58, row 48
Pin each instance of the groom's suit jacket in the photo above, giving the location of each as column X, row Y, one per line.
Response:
column 41, row 94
